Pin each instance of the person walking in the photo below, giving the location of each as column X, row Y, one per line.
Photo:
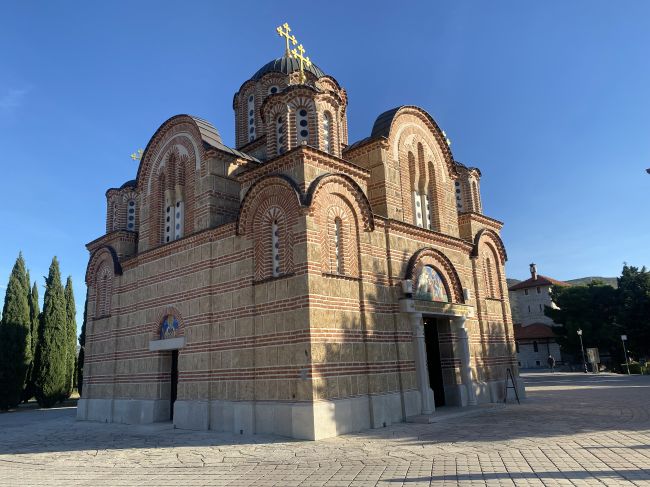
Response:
column 551, row 363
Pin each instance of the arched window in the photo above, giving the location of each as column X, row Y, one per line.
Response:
column 130, row 215
column 328, row 144
column 251, row 117
column 280, row 135
column 475, row 195
column 415, row 193
column 103, row 290
column 302, row 126
column 489, row 278
column 459, row 197
column 275, row 248
column 338, row 245
column 116, row 217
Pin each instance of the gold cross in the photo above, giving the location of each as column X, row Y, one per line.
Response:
column 285, row 33
column 304, row 61
column 136, row 156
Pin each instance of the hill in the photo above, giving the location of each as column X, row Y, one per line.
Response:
column 580, row 281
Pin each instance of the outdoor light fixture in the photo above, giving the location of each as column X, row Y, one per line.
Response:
column 624, row 339
column 584, row 362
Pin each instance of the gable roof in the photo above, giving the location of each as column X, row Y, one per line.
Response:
column 540, row 281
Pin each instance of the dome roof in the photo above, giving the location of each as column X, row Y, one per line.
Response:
column 286, row 65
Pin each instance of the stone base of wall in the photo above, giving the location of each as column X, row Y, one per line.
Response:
column 129, row 411
column 309, row 421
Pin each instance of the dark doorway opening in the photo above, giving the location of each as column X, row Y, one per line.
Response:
column 433, row 360
column 174, row 384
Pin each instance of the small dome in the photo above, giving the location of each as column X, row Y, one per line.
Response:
column 286, row 65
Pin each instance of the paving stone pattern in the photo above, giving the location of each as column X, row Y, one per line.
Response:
column 574, row 430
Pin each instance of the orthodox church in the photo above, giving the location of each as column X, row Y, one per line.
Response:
column 297, row 284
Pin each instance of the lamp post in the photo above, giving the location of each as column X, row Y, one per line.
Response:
column 584, row 363
column 627, row 363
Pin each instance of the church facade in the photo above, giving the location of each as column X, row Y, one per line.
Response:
column 296, row 284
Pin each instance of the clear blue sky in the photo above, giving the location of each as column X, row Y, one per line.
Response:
column 551, row 100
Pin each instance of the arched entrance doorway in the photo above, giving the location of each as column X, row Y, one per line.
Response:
column 434, row 301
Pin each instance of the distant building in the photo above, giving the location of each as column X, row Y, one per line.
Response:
column 534, row 335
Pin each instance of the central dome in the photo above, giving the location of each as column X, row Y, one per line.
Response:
column 286, row 65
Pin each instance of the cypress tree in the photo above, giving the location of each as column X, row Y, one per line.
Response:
column 15, row 341
column 34, row 314
column 82, row 349
column 50, row 367
column 71, row 341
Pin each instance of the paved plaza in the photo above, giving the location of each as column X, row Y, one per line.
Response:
column 574, row 429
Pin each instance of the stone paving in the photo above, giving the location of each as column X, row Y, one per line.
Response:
column 573, row 430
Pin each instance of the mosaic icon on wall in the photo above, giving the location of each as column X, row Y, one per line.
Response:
column 430, row 286
column 169, row 327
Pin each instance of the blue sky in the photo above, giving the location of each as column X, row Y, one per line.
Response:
column 549, row 99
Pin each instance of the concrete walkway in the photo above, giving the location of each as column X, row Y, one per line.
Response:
column 573, row 430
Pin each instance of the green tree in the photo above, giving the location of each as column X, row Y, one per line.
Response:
column 34, row 316
column 50, row 368
column 15, row 340
column 71, row 340
column 593, row 309
column 634, row 312
column 82, row 349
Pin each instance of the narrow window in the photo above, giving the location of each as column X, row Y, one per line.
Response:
column 338, row 253
column 477, row 201
column 517, row 346
column 130, row 215
column 539, row 291
column 169, row 219
column 275, row 248
column 327, row 132
column 459, row 196
column 116, row 217
column 251, row 118
column 417, row 204
column 540, row 307
column 526, row 292
column 426, row 206
column 529, row 308
column 178, row 219
column 280, row 135
column 535, row 347
column 302, row 126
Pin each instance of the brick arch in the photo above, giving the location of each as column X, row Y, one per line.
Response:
column 169, row 310
column 327, row 209
column 102, row 254
column 252, row 199
column 175, row 166
column 493, row 237
column 179, row 125
column 441, row 263
column 489, row 259
column 417, row 116
column 422, row 168
column 349, row 190
column 100, row 275
column 269, row 200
